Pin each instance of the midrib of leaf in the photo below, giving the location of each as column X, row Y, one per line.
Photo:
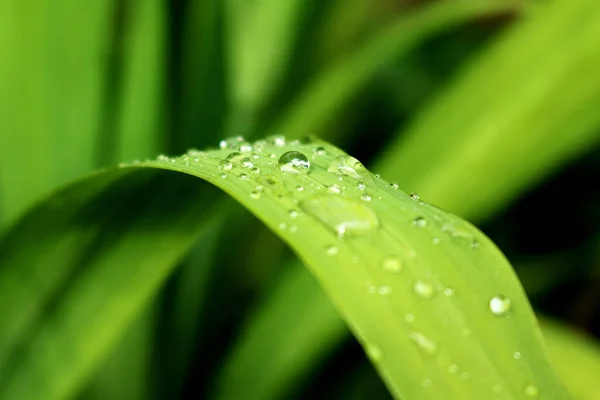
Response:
column 349, row 278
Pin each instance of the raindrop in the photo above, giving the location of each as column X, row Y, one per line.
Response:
column 259, row 145
column 349, row 166
column 238, row 159
column 331, row 250
column 374, row 353
column 414, row 196
column 500, row 305
column 448, row 292
column 320, row 151
column 531, row 391
column 343, row 216
column 365, row 197
column 283, row 226
column 420, row 222
column 392, row 264
column 244, row 177
column 225, row 165
column 394, row 185
column 278, row 140
column 424, row 343
column 335, row 189
column 223, row 175
column 255, row 195
column 300, row 188
column 424, row 289
column 255, row 170
column 360, row 186
column 294, row 162
column 377, row 176
column 244, row 147
column 293, row 214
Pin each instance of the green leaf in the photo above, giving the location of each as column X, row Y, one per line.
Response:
column 317, row 106
column 424, row 291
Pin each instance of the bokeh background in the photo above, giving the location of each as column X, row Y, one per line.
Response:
column 498, row 99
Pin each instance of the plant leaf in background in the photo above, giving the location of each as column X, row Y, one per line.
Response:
column 400, row 271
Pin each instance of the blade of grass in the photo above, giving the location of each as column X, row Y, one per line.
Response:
column 448, row 286
column 528, row 103
column 316, row 107
column 51, row 89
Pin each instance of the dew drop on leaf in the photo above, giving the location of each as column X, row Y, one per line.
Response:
column 278, row 140
column 531, row 391
column 517, row 355
column 452, row 368
column 320, row 151
column 500, row 305
column 255, row 194
column 414, row 196
column 335, row 189
column 448, row 292
column 293, row 214
column 345, row 217
column 255, row 170
column 424, row 289
column 349, row 166
column 225, row 165
column 425, row 344
column 361, row 186
column 244, row 147
column 394, row 185
column 420, row 222
column 294, row 162
column 244, row 177
column 238, row 159
column 331, row 250
column 223, row 175
column 392, row 265
column 365, row 197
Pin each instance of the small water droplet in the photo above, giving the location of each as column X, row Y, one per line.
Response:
column 331, row 250
column 517, row 355
column 384, row 290
column 225, row 165
column 414, row 196
column 377, row 176
column 360, row 186
column 374, row 353
column 392, row 264
column 255, row 170
column 223, row 144
column 238, row 159
column 293, row 214
column 410, row 318
column 334, row 189
column 531, row 391
column 223, row 175
column 255, row 194
column 320, row 151
column 420, row 222
column 282, row 226
column 424, row 343
column 365, row 197
column 278, row 140
column 300, row 188
column 348, row 166
column 436, row 240
column 244, row 147
column 294, row 162
column 424, row 289
column 452, row 368
column 343, row 216
column 500, row 305
column 448, row 292
column 244, row 177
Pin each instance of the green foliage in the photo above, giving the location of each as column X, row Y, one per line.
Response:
column 139, row 282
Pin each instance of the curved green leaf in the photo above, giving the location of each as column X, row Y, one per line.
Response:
column 400, row 271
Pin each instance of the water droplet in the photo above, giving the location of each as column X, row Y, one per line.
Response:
column 255, row 194
column 394, row 185
column 223, row 175
column 374, row 353
column 244, row 147
column 531, row 391
column 377, row 176
column 410, row 318
column 331, row 250
column 420, row 222
column 517, row 355
column 360, row 186
column 344, row 216
column 320, row 151
column 426, row 383
column 225, row 165
column 293, row 229
column 238, row 159
column 300, row 188
column 392, row 264
column 424, row 343
column 223, row 144
column 293, row 214
column 259, row 145
column 348, row 166
column 278, row 140
column 365, row 197
column 448, row 292
column 500, row 305
column 384, row 290
column 294, row 162
column 424, row 289
column 474, row 244
column 436, row 240
column 244, row 177
column 334, row 189
column 414, row 196
column 282, row 226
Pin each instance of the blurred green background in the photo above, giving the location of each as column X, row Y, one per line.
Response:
column 489, row 108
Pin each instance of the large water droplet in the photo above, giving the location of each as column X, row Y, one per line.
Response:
column 424, row 289
column 343, row 216
column 392, row 264
column 349, row 166
column 294, row 162
column 500, row 305
column 427, row 345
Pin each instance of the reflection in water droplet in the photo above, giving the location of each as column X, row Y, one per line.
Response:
column 225, row 165
column 500, row 305
column 394, row 185
column 424, row 289
column 294, row 162
column 331, row 250
column 531, row 391
column 392, row 264
column 343, row 216
column 223, row 175
column 420, row 222
column 360, row 186
column 255, row 170
column 374, row 353
column 414, row 196
column 424, row 343
column 335, row 189
column 349, row 166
